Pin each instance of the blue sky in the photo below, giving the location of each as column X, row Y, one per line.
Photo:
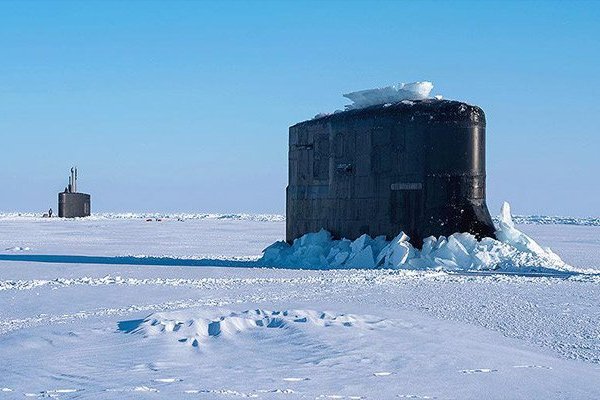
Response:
column 184, row 106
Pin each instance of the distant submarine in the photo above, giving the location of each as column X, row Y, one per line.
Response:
column 416, row 166
column 71, row 203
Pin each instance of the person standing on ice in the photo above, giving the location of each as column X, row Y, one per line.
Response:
column 50, row 213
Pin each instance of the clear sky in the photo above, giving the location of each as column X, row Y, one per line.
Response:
column 185, row 106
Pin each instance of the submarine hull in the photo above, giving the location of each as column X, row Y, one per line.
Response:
column 417, row 167
column 74, row 205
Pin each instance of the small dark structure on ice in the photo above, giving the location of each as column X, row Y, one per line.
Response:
column 72, row 204
column 412, row 166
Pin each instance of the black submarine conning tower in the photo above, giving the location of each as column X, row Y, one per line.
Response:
column 71, row 203
column 414, row 166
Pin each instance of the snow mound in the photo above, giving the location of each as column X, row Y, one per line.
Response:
column 196, row 329
column 389, row 94
column 514, row 251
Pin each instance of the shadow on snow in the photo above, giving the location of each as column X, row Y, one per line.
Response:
column 232, row 263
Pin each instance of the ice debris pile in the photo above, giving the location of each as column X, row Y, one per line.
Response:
column 196, row 329
column 389, row 94
column 512, row 251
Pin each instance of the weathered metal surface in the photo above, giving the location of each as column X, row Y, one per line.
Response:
column 417, row 167
column 73, row 205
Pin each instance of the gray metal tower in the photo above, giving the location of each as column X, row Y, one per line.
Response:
column 72, row 204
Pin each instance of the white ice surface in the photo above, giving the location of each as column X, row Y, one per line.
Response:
column 156, row 215
column 194, row 238
column 384, row 333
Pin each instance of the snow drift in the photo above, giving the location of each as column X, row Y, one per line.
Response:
column 389, row 94
column 513, row 251
column 197, row 328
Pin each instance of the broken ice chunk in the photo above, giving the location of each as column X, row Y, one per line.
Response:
column 508, row 234
column 389, row 94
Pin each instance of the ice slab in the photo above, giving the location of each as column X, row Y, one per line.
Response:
column 389, row 94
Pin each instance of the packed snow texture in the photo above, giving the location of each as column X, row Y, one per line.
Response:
column 389, row 94
column 513, row 251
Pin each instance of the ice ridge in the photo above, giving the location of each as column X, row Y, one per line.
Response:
column 511, row 251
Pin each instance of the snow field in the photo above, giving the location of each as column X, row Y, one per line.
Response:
column 99, row 331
